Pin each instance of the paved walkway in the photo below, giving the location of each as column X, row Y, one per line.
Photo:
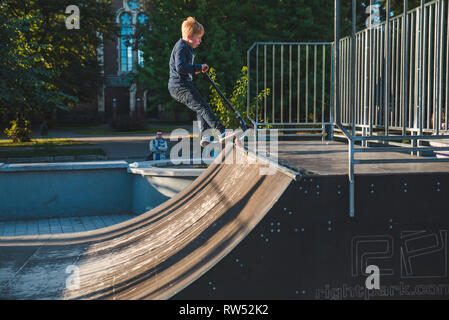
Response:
column 59, row 225
column 133, row 147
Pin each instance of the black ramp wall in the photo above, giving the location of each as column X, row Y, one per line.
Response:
column 307, row 246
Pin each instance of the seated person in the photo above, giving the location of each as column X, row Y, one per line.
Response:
column 158, row 147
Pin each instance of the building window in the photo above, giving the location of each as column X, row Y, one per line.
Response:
column 141, row 19
column 133, row 4
column 126, row 52
column 140, row 57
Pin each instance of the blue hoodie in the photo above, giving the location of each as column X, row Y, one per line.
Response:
column 181, row 64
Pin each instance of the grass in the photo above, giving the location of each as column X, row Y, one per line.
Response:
column 43, row 143
column 73, row 126
column 47, row 148
column 86, row 126
column 51, row 152
column 172, row 123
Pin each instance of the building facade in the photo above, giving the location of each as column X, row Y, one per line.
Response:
column 118, row 95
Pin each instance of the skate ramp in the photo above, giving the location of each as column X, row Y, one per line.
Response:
column 153, row 256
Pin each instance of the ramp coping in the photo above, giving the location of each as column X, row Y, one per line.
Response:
column 287, row 171
column 63, row 166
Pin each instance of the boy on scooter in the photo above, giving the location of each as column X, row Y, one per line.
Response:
column 180, row 84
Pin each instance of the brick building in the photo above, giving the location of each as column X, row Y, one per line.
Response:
column 118, row 95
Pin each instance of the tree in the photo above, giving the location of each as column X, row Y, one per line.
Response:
column 230, row 29
column 43, row 64
column 396, row 8
column 232, row 26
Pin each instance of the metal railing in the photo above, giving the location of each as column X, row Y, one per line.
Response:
column 417, row 77
column 290, row 87
column 387, row 85
column 394, row 90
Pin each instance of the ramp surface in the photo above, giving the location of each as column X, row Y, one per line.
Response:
column 153, row 256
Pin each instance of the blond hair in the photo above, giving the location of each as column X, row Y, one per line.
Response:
column 191, row 27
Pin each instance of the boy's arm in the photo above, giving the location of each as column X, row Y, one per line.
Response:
column 204, row 68
column 181, row 63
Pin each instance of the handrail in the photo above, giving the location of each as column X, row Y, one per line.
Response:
column 380, row 90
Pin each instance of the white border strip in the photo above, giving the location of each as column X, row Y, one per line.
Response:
column 289, row 172
column 63, row 166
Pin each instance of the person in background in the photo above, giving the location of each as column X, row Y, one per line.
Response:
column 44, row 128
column 158, row 147
column 444, row 125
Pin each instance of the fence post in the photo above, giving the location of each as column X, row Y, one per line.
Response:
column 354, row 23
column 405, row 64
column 387, row 73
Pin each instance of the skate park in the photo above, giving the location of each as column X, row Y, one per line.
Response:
column 355, row 182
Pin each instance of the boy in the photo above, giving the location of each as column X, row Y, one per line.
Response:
column 180, row 84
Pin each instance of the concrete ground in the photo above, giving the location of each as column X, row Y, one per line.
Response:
column 128, row 147
column 59, row 225
column 133, row 146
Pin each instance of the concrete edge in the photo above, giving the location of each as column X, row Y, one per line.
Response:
column 63, row 166
column 151, row 163
column 272, row 163
column 167, row 172
column 152, row 168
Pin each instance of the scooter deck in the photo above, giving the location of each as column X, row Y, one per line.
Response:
column 236, row 137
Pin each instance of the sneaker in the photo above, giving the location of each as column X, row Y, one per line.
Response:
column 228, row 134
column 205, row 140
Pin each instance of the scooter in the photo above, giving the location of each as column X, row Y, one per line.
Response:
column 243, row 125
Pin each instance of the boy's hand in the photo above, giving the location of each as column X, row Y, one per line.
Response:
column 205, row 68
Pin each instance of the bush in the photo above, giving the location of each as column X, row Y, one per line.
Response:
column 126, row 123
column 20, row 131
column 238, row 99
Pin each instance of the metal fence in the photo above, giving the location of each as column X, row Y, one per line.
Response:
column 387, row 85
column 390, row 88
column 289, row 87
column 417, row 77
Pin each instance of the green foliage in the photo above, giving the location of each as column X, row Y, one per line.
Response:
column 238, row 99
column 396, row 7
column 126, row 123
column 43, row 64
column 20, row 131
column 43, row 143
column 231, row 27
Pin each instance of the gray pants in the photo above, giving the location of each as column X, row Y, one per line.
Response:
column 187, row 94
